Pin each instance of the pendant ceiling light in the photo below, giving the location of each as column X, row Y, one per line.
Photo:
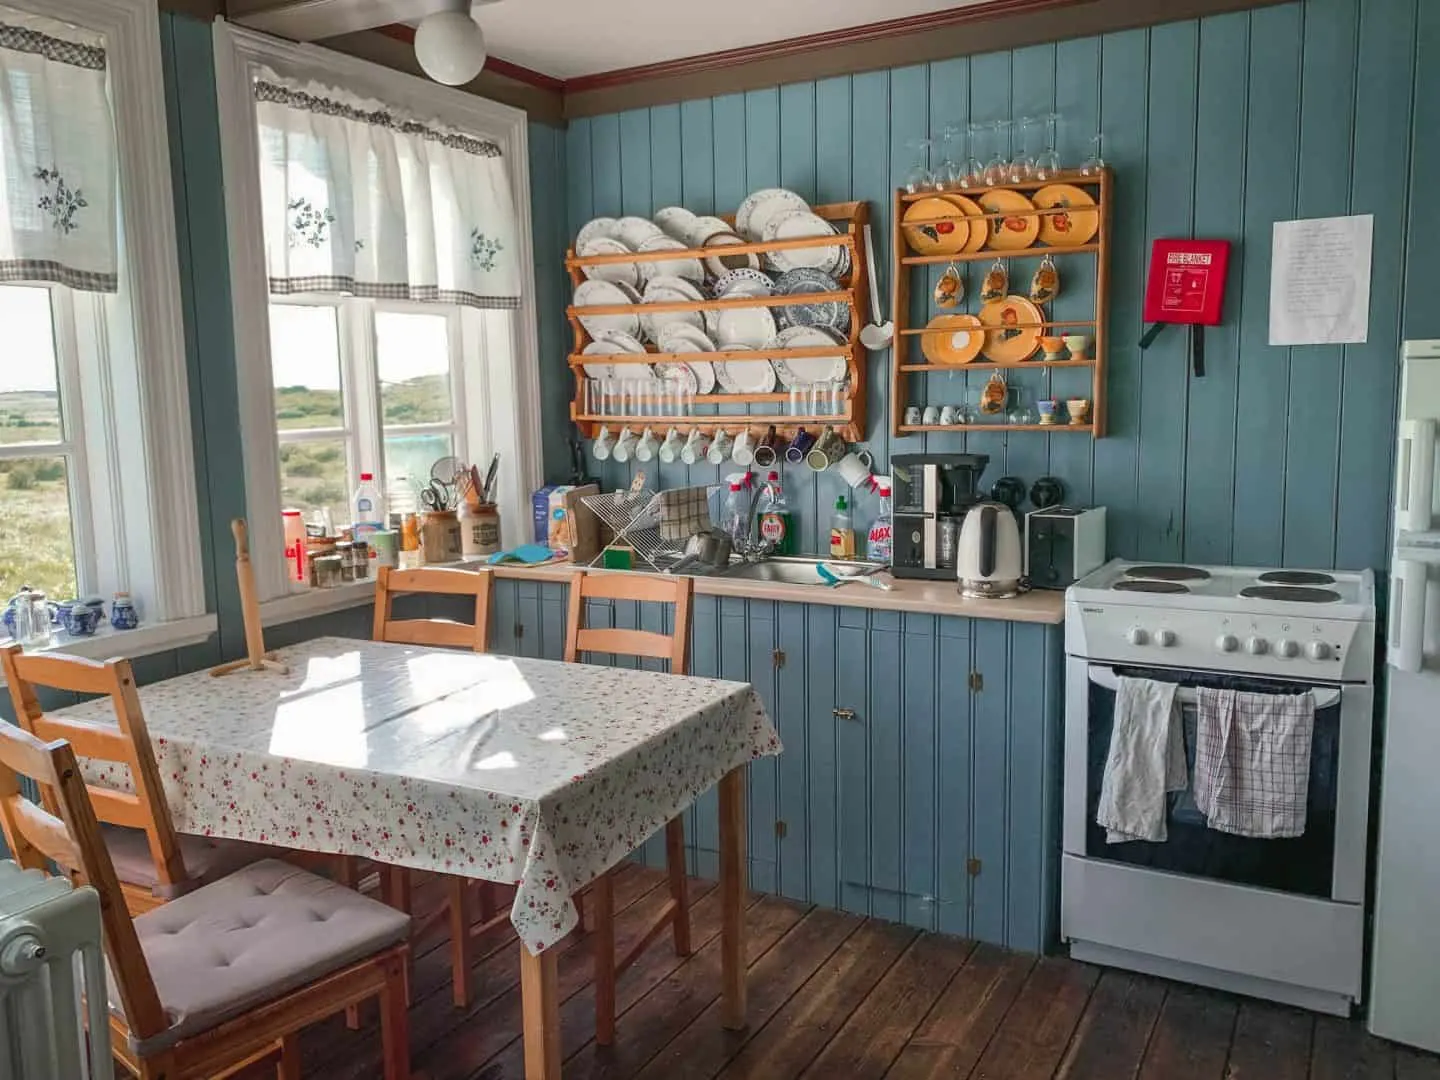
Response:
column 450, row 46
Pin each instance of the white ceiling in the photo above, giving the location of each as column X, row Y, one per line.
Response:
column 569, row 38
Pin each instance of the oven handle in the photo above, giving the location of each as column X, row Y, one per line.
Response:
column 1105, row 677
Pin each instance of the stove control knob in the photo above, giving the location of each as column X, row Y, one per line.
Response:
column 1227, row 643
column 1256, row 646
column 1288, row 649
column 1318, row 650
column 1137, row 636
column 1165, row 638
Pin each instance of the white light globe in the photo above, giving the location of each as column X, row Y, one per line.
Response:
column 450, row 47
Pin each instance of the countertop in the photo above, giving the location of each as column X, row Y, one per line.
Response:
column 925, row 597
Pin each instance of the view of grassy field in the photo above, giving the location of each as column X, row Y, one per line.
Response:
column 36, row 548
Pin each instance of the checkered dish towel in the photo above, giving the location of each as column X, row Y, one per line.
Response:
column 1252, row 761
column 1146, row 760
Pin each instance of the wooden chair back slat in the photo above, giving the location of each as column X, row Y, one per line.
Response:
column 127, row 743
column 71, row 838
column 434, row 580
column 674, row 646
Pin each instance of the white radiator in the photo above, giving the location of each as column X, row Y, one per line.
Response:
column 50, row 950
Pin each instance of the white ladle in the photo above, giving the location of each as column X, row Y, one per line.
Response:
column 876, row 335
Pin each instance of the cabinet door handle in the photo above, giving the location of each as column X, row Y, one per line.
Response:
column 844, row 714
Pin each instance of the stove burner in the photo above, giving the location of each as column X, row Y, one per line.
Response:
column 1296, row 577
column 1168, row 573
column 1291, row 594
column 1149, row 586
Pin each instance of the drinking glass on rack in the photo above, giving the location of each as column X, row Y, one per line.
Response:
column 951, row 171
column 974, row 168
column 1022, row 164
column 1094, row 164
column 920, row 177
column 611, row 396
column 1047, row 162
column 997, row 167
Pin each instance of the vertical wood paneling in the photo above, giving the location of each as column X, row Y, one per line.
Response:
column 1219, row 205
column 1326, row 120
column 919, row 822
column 870, row 176
column 822, row 767
column 953, row 758
column 759, row 636
column 791, row 719
column 1422, row 314
column 1271, row 150
column 852, row 642
column 1165, row 367
column 1025, row 761
column 703, row 825
column 989, row 784
column 885, row 716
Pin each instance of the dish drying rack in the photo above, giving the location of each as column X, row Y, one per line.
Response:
column 636, row 518
column 733, row 411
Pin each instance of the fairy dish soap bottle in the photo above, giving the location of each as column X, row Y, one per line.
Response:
column 776, row 525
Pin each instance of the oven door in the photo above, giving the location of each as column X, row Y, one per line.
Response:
column 1326, row 862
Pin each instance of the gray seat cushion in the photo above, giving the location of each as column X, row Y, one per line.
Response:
column 265, row 930
column 206, row 858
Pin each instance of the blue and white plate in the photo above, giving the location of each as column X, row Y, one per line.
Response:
column 831, row 313
column 809, row 369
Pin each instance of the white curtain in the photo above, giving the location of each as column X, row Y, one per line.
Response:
column 58, row 179
column 357, row 199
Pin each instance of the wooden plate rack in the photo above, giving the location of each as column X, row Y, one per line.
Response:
column 1101, row 186
column 732, row 411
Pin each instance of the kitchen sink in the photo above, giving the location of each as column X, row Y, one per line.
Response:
column 796, row 571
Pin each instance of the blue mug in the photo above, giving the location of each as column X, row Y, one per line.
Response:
column 78, row 618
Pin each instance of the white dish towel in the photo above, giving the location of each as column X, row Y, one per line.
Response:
column 1146, row 760
column 1252, row 761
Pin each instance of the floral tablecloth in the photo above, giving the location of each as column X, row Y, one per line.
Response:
column 528, row 772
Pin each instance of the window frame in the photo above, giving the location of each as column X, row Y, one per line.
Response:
column 135, row 467
column 501, row 397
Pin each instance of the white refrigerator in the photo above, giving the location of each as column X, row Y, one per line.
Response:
column 1405, row 966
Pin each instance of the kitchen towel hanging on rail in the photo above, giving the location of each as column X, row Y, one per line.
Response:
column 1252, row 761
column 1146, row 760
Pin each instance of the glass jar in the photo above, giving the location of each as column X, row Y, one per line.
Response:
column 325, row 571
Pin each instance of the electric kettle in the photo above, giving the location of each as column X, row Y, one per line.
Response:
column 988, row 563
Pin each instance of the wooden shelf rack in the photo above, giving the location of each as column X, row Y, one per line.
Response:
column 906, row 261
column 732, row 411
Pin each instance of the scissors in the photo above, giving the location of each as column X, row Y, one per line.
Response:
column 434, row 496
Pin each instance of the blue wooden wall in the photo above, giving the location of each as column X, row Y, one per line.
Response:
column 1215, row 127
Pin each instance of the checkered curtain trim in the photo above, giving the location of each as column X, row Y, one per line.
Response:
column 387, row 291
column 60, row 274
column 23, row 39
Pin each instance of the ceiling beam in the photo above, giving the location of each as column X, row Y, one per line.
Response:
column 311, row 20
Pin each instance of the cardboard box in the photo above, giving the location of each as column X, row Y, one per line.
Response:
column 540, row 513
column 574, row 530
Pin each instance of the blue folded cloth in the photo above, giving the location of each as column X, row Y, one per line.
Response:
column 530, row 554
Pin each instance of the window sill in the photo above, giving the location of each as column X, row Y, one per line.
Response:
column 312, row 602
column 144, row 640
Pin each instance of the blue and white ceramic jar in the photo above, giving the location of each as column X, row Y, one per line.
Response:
column 78, row 619
column 122, row 613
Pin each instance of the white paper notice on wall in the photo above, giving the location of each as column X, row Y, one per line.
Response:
column 1320, row 281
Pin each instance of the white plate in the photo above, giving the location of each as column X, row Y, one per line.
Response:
column 792, row 225
column 749, row 328
column 614, row 343
column 681, row 338
column 808, row 369
column 595, row 293
column 604, row 245
column 688, row 269
column 634, row 231
column 720, row 265
column 703, row 228
column 652, row 324
column 746, row 376
column 600, row 226
column 676, row 221
column 744, row 282
column 763, row 205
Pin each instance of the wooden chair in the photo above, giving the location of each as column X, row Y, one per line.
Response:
column 154, row 862
column 673, row 647
column 199, row 986
column 471, row 907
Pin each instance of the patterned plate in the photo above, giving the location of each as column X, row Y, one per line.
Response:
column 688, row 269
column 634, row 231
column 749, row 328
column 719, row 265
column 676, row 221
column 944, row 232
column 757, row 210
column 680, row 338
column 793, row 225
column 652, row 323
column 1067, row 229
column 702, row 228
column 744, row 282
column 1010, row 233
column 601, row 226
column 830, row 313
column 614, row 343
column 979, row 226
column 954, row 339
column 1005, row 340
column 595, row 293
column 629, row 273
column 809, row 369
column 746, row 376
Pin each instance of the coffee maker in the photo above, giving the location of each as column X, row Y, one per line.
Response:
column 931, row 493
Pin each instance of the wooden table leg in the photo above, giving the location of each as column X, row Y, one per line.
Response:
column 732, row 898
column 540, row 1003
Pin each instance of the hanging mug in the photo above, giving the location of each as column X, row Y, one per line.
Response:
column 1045, row 285
column 646, row 448
column 671, row 447
column 854, row 468
column 768, row 451
column 624, row 446
column 720, row 448
column 604, row 444
column 743, row 452
column 696, row 447
column 799, row 447
column 997, row 283
column 828, row 449
column 950, row 288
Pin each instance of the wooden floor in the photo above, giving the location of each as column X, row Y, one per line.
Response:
column 835, row 995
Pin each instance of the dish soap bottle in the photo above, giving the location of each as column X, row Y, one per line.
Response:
column 737, row 518
column 368, row 507
column 880, row 546
column 842, row 531
column 775, row 523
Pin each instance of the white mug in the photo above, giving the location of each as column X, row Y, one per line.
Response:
column 931, row 415
column 947, row 414
column 743, row 452
column 720, row 448
column 696, row 447
column 670, row 448
column 646, row 447
column 624, row 446
column 603, row 445
column 912, row 415
column 854, row 467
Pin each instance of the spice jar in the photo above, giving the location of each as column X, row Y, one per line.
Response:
column 316, row 549
column 360, row 556
column 346, row 551
column 325, row 571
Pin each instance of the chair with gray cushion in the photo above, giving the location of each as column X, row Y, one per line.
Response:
column 228, row 972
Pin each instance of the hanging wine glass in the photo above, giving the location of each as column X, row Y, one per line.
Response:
column 1022, row 162
column 995, row 168
column 951, row 171
column 920, row 178
column 1094, row 165
column 974, row 170
column 1047, row 163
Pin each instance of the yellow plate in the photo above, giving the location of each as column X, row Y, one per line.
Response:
column 979, row 227
column 957, row 339
column 1011, row 233
column 1005, row 341
column 946, row 232
column 1071, row 229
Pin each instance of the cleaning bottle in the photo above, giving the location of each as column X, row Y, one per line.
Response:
column 880, row 546
column 842, row 531
column 368, row 508
column 736, row 517
column 774, row 513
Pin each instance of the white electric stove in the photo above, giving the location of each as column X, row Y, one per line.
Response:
column 1281, row 919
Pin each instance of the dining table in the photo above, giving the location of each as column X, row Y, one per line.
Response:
column 533, row 773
